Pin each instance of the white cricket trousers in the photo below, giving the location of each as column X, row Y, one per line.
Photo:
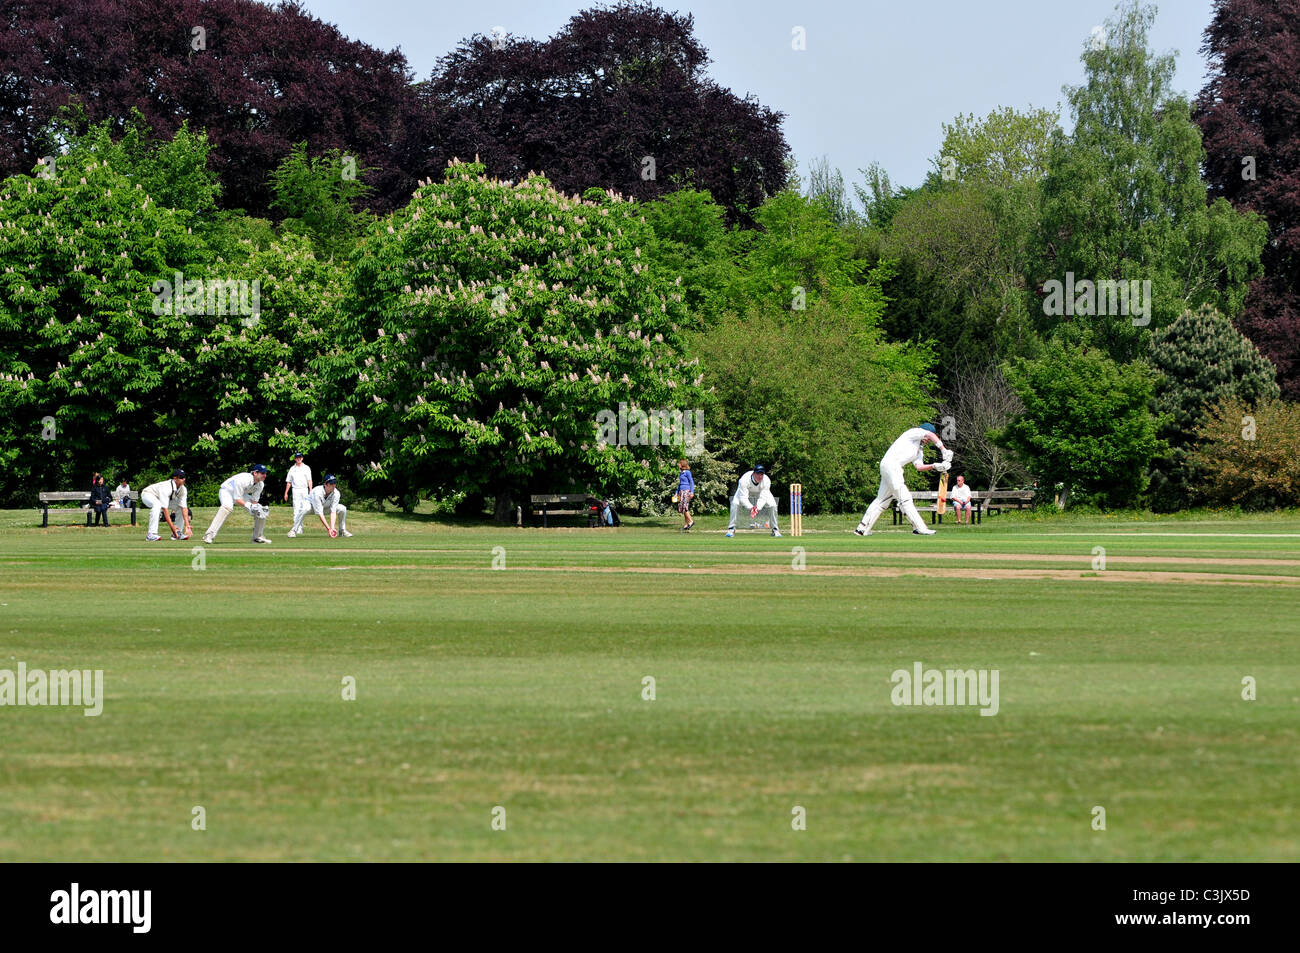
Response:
column 302, row 506
column 892, row 487
column 766, row 511
column 155, row 511
column 227, row 507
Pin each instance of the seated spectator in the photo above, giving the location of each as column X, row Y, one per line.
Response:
column 123, row 493
column 959, row 496
column 100, row 498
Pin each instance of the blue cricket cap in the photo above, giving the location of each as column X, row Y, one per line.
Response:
column 929, row 427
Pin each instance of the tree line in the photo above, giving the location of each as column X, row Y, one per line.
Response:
column 175, row 289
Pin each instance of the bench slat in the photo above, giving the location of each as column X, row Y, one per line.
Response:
column 63, row 496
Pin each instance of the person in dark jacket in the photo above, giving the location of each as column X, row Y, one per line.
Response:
column 100, row 498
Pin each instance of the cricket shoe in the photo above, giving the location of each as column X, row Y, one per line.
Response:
column 208, row 540
column 730, row 533
column 152, row 539
column 346, row 533
column 291, row 534
column 861, row 530
column 261, row 539
column 923, row 532
column 776, row 534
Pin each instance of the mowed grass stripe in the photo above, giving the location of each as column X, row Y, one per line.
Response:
column 523, row 689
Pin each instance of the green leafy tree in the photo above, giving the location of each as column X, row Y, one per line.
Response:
column 261, row 399
column 1124, row 200
column 1003, row 149
column 794, row 256
column 173, row 171
column 826, row 188
column 879, row 198
column 797, row 256
column 487, row 326
column 1087, row 422
column 320, row 196
column 814, row 396
column 691, row 243
column 960, row 284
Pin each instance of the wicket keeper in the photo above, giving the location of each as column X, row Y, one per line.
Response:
column 242, row 489
column 754, row 492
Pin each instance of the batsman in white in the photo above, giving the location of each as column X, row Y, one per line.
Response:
column 242, row 489
column 908, row 448
column 159, row 497
column 754, row 493
column 326, row 497
column 299, row 480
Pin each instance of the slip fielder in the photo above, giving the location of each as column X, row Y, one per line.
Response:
column 326, row 496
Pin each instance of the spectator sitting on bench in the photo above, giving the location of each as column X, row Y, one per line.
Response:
column 100, row 498
column 959, row 497
column 123, row 492
column 605, row 513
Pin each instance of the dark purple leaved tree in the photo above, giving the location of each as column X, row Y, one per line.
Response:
column 1249, row 114
column 619, row 98
column 258, row 78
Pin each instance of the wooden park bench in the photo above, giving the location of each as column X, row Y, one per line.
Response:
column 927, row 501
column 564, row 504
column 76, row 496
column 994, row 501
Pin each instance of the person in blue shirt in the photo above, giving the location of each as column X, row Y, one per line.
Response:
column 685, row 493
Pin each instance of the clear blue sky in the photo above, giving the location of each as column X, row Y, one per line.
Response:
column 876, row 80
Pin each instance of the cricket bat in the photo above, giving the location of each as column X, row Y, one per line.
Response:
column 942, row 505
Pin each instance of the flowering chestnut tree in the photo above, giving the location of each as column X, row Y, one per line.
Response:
column 485, row 328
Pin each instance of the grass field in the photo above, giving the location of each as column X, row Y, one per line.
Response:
column 522, row 688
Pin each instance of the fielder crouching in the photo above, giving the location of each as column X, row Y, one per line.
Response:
column 754, row 493
column 242, row 489
column 326, row 497
column 159, row 498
